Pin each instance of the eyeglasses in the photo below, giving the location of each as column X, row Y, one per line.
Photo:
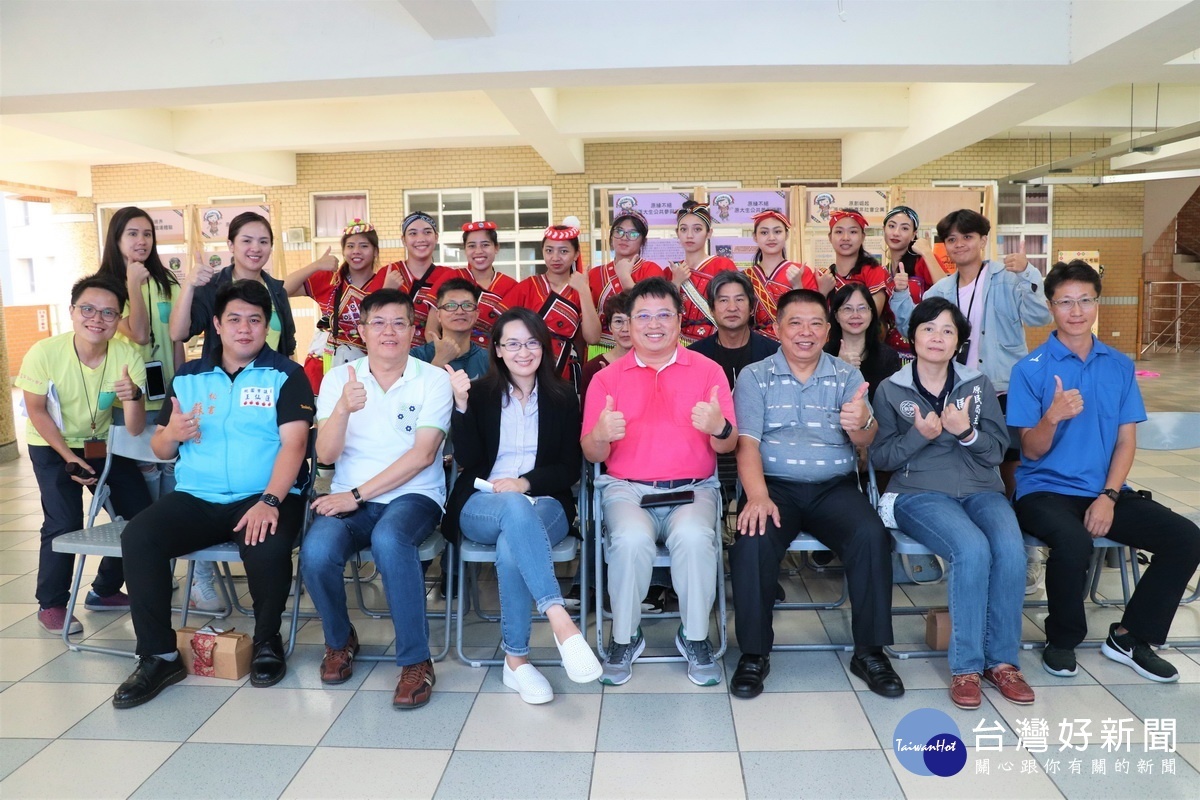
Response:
column 513, row 346
column 662, row 317
column 106, row 314
column 453, row 306
column 618, row 322
column 378, row 325
column 848, row 310
column 627, row 233
column 1084, row 303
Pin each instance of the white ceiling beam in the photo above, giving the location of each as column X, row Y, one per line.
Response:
column 454, row 19
column 534, row 114
column 145, row 136
column 62, row 178
column 1186, row 153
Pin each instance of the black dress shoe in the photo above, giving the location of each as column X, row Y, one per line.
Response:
column 747, row 680
column 876, row 671
column 267, row 668
column 153, row 674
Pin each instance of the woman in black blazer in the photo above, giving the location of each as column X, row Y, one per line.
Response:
column 516, row 437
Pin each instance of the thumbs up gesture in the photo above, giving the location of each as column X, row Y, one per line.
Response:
column 328, row 262
column 183, row 427
column 1065, row 405
column 854, row 414
column 136, row 274
column 1017, row 262
column 825, row 281
column 354, row 393
column 929, row 426
column 610, row 426
column 123, row 387
column 461, row 385
column 900, row 280
column 707, row 416
column 955, row 420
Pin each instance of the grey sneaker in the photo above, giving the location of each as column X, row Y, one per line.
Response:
column 1035, row 570
column 618, row 667
column 702, row 670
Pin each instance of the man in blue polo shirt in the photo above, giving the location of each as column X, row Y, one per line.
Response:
column 238, row 419
column 1077, row 405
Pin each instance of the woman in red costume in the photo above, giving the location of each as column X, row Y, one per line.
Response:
column 693, row 226
column 627, row 238
column 417, row 276
column 481, row 242
column 772, row 274
column 562, row 298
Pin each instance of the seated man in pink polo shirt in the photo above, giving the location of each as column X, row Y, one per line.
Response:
column 657, row 417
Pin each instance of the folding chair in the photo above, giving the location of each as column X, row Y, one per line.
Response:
column 105, row 540
column 661, row 559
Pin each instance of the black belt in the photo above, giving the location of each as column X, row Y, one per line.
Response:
column 667, row 484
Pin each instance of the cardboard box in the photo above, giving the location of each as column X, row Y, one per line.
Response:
column 937, row 629
column 215, row 653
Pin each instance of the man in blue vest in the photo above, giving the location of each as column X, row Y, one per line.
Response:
column 238, row 420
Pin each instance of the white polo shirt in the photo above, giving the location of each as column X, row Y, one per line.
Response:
column 386, row 428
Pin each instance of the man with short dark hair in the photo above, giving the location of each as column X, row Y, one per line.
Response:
column 1077, row 404
column 657, row 417
column 71, row 383
column 803, row 413
column 735, row 345
column 457, row 311
column 238, row 420
column 382, row 420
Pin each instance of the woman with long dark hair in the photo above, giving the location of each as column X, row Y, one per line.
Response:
column 771, row 273
column 913, row 268
column 856, row 335
column 517, row 428
column 851, row 261
column 481, row 243
column 627, row 237
column 693, row 226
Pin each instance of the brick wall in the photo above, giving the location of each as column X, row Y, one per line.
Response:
column 1087, row 218
column 21, row 331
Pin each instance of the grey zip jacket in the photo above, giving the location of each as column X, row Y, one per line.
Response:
column 942, row 465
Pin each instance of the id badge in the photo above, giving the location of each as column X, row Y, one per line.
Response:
column 95, row 449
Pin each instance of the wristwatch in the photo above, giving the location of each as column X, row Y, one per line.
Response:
column 728, row 429
column 870, row 423
column 137, row 393
column 270, row 500
column 967, row 434
column 357, row 497
column 1112, row 494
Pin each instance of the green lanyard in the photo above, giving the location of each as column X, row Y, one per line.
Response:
column 92, row 412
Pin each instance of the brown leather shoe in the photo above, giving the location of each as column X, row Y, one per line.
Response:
column 964, row 691
column 1011, row 683
column 338, row 664
column 415, row 686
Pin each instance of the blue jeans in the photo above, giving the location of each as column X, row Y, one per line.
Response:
column 523, row 534
column 979, row 536
column 394, row 531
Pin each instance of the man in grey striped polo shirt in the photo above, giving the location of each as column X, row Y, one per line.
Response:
column 801, row 413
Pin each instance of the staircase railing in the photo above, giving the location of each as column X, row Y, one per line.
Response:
column 1172, row 320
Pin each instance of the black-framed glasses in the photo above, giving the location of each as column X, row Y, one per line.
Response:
column 632, row 234
column 455, row 306
column 106, row 314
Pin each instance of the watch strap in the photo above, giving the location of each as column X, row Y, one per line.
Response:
column 270, row 499
column 728, row 429
column 357, row 497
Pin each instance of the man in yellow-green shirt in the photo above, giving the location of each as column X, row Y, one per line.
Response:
column 71, row 383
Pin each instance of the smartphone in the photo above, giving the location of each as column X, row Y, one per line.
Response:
column 668, row 499
column 156, row 384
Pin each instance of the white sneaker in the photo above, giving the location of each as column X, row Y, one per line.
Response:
column 529, row 683
column 204, row 597
column 578, row 659
column 1035, row 576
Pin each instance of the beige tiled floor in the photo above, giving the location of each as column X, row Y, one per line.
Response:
column 815, row 732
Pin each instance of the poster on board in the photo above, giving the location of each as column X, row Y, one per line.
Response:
column 662, row 251
column 737, row 207
column 213, row 221
column 871, row 203
column 657, row 207
column 739, row 249
column 168, row 225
